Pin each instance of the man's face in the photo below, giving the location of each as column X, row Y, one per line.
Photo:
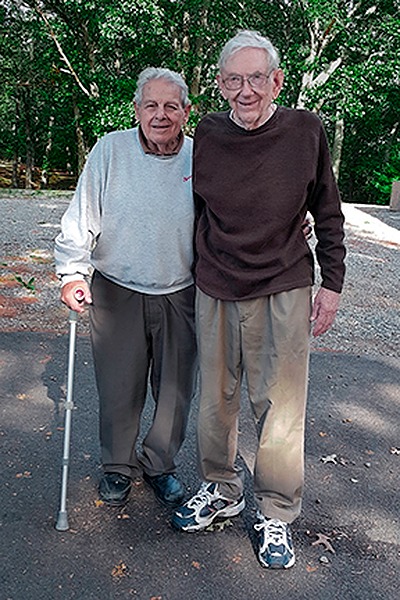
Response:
column 161, row 113
column 251, row 105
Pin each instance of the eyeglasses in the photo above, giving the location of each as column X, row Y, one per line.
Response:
column 236, row 82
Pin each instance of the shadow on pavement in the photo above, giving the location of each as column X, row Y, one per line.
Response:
column 350, row 506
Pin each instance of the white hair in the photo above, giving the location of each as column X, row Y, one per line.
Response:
column 159, row 73
column 249, row 39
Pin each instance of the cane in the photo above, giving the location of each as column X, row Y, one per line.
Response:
column 62, row 520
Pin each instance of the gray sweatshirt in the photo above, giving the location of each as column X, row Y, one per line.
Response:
column 131, row 217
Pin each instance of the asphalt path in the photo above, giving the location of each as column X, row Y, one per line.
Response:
column 348, row 537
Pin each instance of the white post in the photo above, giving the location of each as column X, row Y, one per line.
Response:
column 395, row 196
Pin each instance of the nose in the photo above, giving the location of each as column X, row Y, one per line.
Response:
column 246, row 89
column 160, row 113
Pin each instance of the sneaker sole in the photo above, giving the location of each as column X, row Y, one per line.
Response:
column 277, row 567
column 232, row 511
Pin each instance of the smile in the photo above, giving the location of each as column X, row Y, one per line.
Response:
column 247, row 104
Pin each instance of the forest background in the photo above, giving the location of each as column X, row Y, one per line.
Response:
column 68, row 70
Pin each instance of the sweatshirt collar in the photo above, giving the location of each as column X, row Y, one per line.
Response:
column 239, row 124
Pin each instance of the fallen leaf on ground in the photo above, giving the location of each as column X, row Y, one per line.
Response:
column 45, row 360
column 237, row 559
column 196, row 564
column 219, row 526
column 311, row 569
column 120, row 570
column 24, row 474
column 324, row 540
column 98, row 503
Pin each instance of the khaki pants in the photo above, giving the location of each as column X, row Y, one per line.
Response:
column 138, row 338
column 267, row 339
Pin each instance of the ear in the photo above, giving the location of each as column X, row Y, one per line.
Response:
column 221, row 86
column 137, row 111
column 277, row 82
column 187, row 110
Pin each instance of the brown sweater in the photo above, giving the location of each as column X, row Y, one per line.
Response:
column 252, row 190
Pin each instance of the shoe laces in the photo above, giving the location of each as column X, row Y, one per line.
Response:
column 203, row 496
column 275, row 531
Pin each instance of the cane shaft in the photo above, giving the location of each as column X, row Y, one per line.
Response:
column 62, row 521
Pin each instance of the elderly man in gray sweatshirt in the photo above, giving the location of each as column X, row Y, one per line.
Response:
column 129, row 228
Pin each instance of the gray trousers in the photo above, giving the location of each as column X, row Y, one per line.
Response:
column 267, row 339
column 136, row 338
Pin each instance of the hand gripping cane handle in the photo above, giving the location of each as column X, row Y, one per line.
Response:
column 62, row 521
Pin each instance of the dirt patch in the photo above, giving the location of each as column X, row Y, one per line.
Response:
column 29, row 288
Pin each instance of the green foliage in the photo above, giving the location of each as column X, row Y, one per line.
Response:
column 383, row 181
column 29, row 285
column 70, row 69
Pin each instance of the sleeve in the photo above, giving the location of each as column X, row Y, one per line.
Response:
column 325, row 206
column 198, row 202
column 81, row 223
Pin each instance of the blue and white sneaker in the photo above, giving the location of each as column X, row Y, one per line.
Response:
column 204, row 508
column 275, row 543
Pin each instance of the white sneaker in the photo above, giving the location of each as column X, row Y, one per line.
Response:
column 204, row 507
column 275, row 543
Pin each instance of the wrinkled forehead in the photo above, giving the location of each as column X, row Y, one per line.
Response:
column 246, row 61
column 162, row 91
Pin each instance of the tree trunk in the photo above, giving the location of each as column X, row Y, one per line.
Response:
column 14, row 173
column 393, row 136
column 15, row 164
column 81, row 144
column 319, row 39
column 45, row 170
column 29, row 140
column 338, row 145
column 199, row 49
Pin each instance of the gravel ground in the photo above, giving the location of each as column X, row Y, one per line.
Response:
column 352, row 447
column 368, row 321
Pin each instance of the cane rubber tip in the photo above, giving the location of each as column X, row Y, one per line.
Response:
column 62, row 522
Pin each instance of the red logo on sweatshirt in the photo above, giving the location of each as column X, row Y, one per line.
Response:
column 185, row 179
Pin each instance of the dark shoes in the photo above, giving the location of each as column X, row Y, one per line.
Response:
column 114, row 489
column 167, row 488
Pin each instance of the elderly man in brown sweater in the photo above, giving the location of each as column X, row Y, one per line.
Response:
column 258, row 169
